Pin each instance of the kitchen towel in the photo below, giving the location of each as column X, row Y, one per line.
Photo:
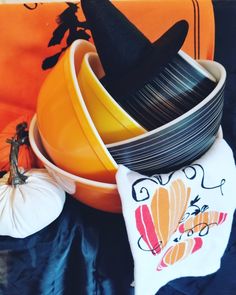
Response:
column 179, row 223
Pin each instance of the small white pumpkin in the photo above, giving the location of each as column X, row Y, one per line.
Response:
column 28, row 201
column 29, row 207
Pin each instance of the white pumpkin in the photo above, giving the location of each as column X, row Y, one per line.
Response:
column 27, row 208
column 28, row 201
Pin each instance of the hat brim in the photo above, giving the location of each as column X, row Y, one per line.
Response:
column 159, row 54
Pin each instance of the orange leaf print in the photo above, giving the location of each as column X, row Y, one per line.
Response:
column 179, row 252
column 168, row 207
column 203, row 220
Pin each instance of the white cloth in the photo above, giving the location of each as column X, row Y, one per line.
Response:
column 179, row 223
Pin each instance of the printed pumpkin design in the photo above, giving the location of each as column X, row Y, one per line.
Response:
column 179, row 252
column 167, row 208
column 203, row 221
column 146, row 229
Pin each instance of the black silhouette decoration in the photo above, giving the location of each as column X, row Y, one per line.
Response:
column 31, row 6
column 67, row 21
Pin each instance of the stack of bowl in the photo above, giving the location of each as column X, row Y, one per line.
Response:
column 81, row 134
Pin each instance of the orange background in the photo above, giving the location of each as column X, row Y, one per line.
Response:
column 25, row 34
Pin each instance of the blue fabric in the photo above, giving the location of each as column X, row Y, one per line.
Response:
column 83, row 252
column 86, row 252
column 225, row 48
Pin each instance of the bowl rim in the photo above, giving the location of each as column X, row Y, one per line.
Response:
column 34, row 128
column 94, row 139
column 195, row 64
column 217, row 88
column 107, row 99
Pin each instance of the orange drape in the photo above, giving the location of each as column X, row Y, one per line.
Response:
column 27, row 29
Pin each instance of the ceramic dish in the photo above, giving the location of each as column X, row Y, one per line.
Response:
column 178, row 87
column 66, row 128
column 99, row 195
column 112, row 122
column 180, row 141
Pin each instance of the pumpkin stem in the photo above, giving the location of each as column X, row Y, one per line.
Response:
column 22, row 134
column 20, row 138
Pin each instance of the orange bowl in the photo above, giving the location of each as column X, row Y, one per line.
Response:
column 111, row 120
column 99, row 195
column 65, row 126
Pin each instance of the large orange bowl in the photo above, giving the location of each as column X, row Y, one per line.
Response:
column 111, row 120
column 99, row 195
column 66, row 128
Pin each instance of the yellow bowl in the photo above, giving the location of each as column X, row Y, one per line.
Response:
column 99, row 195
column 110, row 119
column 66, row 128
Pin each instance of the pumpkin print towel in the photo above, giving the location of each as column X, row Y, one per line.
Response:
column 179, row 223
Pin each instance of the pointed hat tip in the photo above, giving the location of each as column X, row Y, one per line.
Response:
column 118, row 41
column 183, row 27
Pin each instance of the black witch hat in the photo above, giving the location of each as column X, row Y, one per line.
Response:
column 129, row 59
